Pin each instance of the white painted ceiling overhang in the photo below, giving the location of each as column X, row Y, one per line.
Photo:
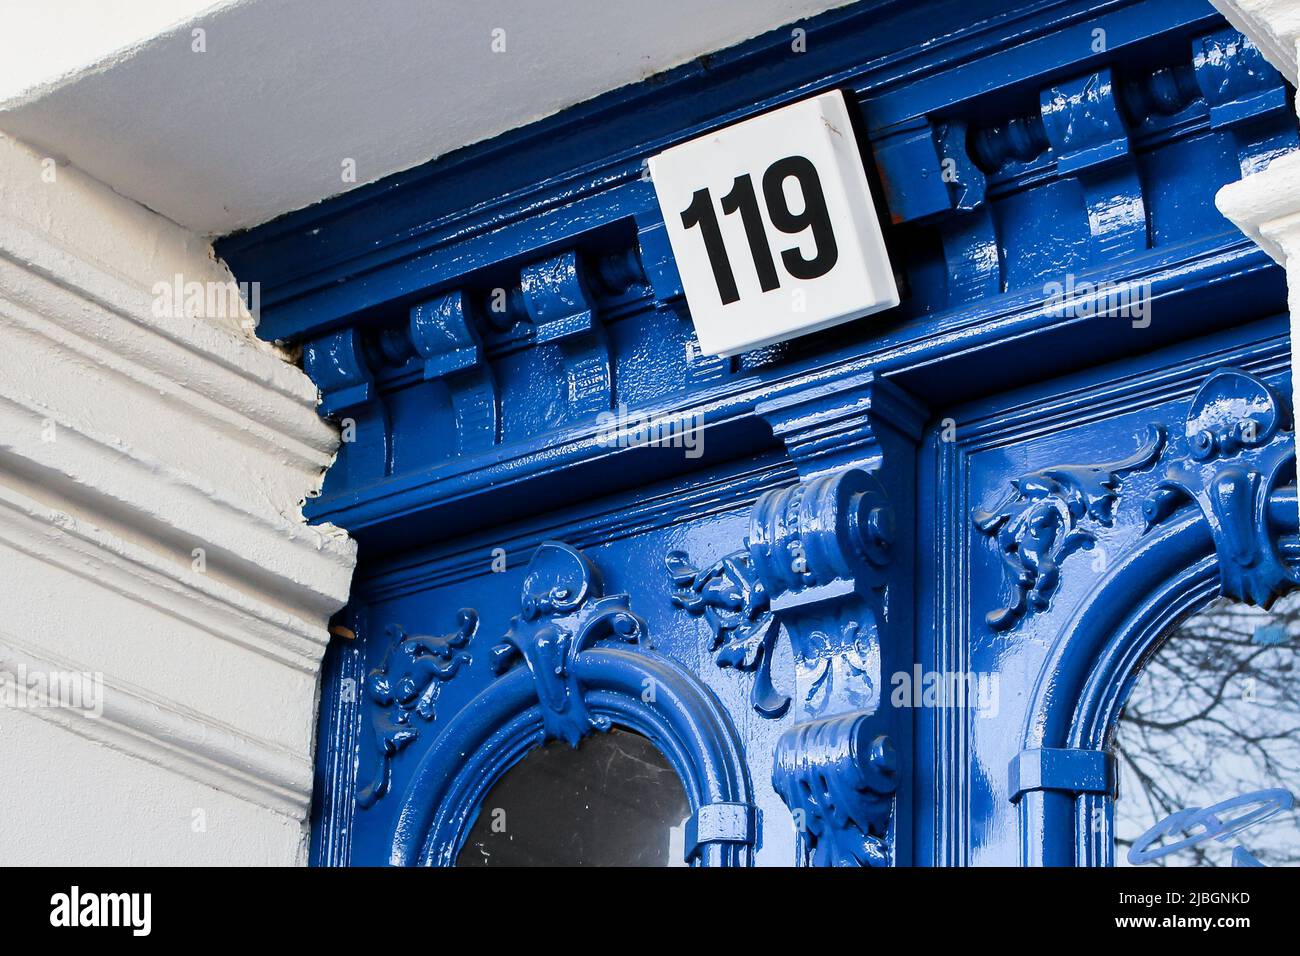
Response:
column 262, row 121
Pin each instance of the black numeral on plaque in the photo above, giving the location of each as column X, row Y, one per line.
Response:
column 742, row 199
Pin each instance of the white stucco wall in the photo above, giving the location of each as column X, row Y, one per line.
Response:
column 151, row 471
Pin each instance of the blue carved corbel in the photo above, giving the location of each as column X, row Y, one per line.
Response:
column 814, row 568
column 337, row 362
column 563, row 612
column 839, row 781
column 814, row 565
column 821, row 548
column 1090, row 141
column 1246, row 97
column 408, row 681
column 563, row 316
column 926, row 170
column 655, row 255
column 445, row 336
column 1239, row 449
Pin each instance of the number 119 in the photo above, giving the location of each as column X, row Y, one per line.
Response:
column 742, row 199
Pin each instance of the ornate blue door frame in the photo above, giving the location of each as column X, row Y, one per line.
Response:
column 1018, row 473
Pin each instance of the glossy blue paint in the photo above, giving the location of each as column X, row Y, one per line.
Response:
column 1068, row 435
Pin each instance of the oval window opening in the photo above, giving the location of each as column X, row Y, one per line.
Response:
column 614, row 801
column 1208, row 744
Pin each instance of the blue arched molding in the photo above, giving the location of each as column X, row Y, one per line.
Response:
column 561, row 678
column 1221, row 520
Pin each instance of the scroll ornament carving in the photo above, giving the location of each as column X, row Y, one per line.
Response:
column 812, row 568
column 1237, row 447
column 839, row 781
column 564, row 611
column 409, row 681
column 733, row 601
column 1240, row 446
column 1047, row 516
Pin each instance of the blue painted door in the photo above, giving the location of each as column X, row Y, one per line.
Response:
column 875, row 596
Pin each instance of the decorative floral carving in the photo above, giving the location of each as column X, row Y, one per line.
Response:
column 563, row 612
column 731, row 598
column 838, row 666
column 839, row 782
column 1239, row 449
column 408, row 681
column 811, row 566
column 1047, row 516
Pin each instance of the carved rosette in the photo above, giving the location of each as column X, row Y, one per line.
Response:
column 563, row 611
column 408, row 681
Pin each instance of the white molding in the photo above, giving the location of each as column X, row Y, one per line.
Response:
column 223, row 386
column 166, row 734
column 130, row 436
column 181, row 512
column 197, row 600
column 88, row 309
column 1266, row 206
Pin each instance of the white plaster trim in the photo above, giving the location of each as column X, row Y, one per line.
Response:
column 1266, row 205
column 171, row 736
column 217, row 369
column 129, row 437
column 229, row 386
column 60, row 539
column 180, row 512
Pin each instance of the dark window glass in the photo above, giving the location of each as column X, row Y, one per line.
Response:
column 1214, row 717
column 614, row 801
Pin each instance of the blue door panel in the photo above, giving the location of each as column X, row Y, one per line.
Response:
column 1113, row 433
column 632, row 558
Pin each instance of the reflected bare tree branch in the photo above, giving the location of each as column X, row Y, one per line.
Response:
column 1215, row 714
